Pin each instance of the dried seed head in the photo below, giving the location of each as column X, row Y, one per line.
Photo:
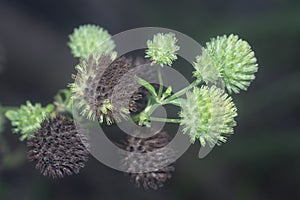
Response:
column 95, row 83
column 57, row 148
column 136, row 165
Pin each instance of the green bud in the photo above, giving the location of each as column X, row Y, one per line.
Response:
column 208, row 115
column 162, row 49
column 91, row 39
column 28, row 118
column 227, row 58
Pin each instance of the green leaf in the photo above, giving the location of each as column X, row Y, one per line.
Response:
column 147, row 85
column 167, row 92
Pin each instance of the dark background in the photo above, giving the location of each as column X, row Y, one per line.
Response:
column 262, row 159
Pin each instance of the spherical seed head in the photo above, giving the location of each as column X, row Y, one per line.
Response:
column 90, row 39
column 84, row 88
column 229, row 58
column 28, row 118
column 136, row 165
column 58, row 148
column 94, row 85
column 208, row 115
column 162, row 49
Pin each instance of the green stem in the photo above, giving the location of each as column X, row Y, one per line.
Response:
column 157, row 119
column 183, row 91
column 161, row 83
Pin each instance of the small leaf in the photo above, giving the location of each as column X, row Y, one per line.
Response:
column 167, row 92
column 147, row 85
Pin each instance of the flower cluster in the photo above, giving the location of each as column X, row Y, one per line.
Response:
column 91, row 39
column 28, row 118
column 162, row 49
column 208, row 115
column 227, row 58
column 105, row 89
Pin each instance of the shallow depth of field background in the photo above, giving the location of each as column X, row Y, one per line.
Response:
column 262, row 159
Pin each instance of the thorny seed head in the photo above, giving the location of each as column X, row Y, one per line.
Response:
column 58, row 148
column 94, row 85
column 156, row 154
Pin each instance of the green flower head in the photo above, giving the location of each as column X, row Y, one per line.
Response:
column 162, row 49
column 208, row 115
column 227, row 58
column 91, row 39
column 28, row 118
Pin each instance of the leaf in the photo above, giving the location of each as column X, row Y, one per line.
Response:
column 147, row 85
column 167, row 92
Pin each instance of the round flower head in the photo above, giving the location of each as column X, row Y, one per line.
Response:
column 162, row 49
column 208, row 115
column 28, row 118
column 94, row 85
column 90, row 39
column 57, row 148
column 227, row 58
column 136, row 165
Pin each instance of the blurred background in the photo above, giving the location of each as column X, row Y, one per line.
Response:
column 262, row 159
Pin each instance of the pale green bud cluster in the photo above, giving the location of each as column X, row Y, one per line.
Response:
column 227, row 58
column 208, row 115
column 28, row 118
column 91, row 39
column 162, row 49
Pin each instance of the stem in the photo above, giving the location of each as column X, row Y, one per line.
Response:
column 157, row 119
column 183, row 91
column 161, row 83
